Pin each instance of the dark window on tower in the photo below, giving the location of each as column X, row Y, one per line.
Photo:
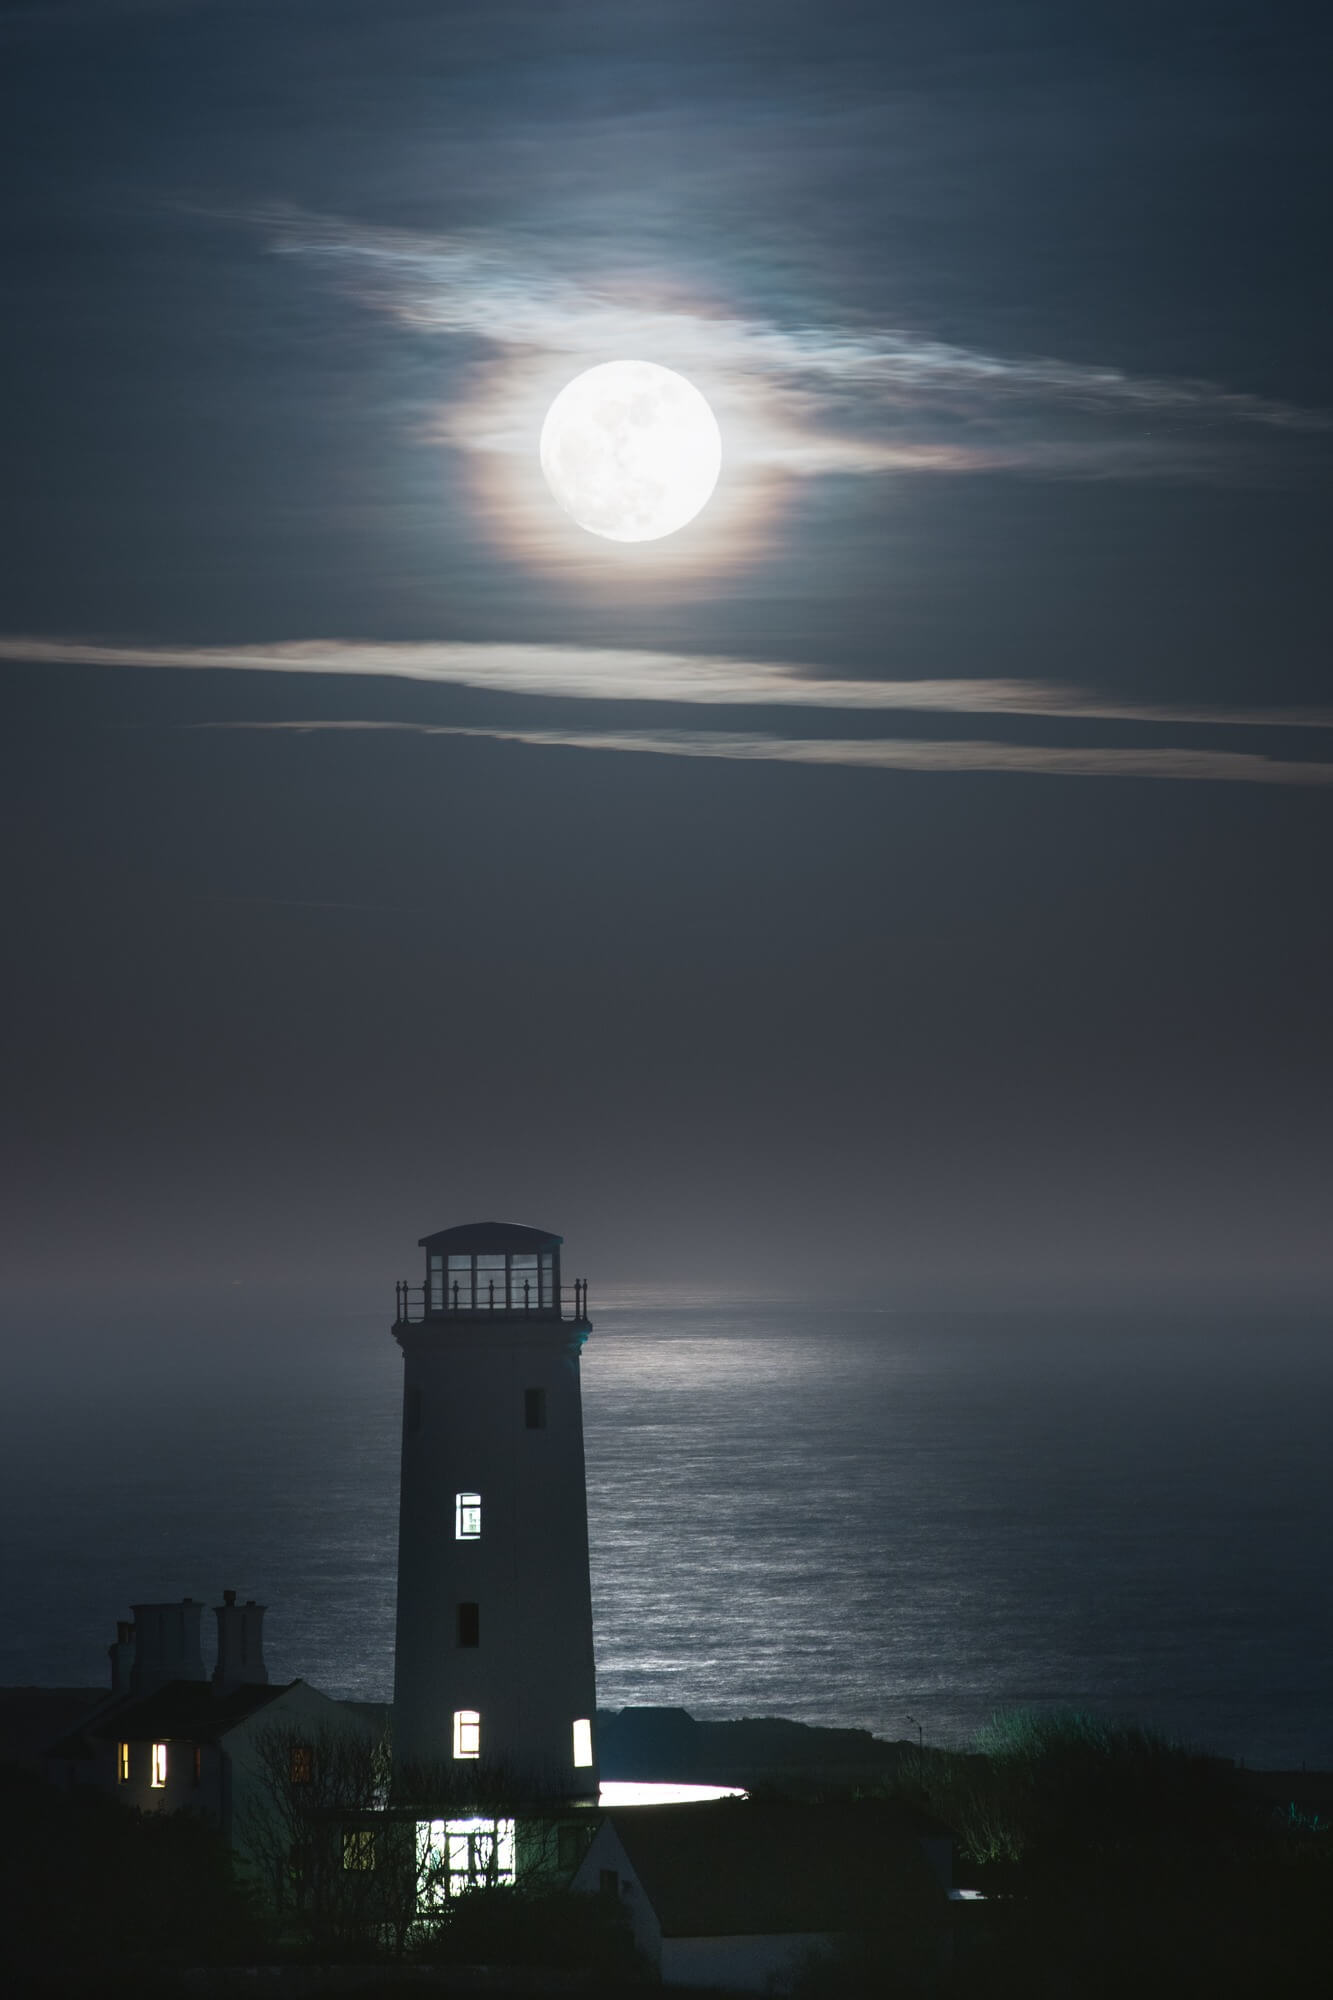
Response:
column 571, row 1846
column 534, row 1409
column 413, row 1411
column 609, row 1882
column 469, row 1624
column 198, row 1765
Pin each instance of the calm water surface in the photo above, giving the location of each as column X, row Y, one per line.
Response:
column 841, row 1516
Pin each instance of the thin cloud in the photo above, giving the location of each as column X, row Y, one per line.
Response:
column 805, row 397
column 586, row 673
column 877, row 754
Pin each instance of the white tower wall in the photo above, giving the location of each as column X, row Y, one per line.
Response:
column 468, row 1380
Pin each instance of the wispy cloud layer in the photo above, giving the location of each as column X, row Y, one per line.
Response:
column 804, row 397
column 874, row 754
column 585, row 673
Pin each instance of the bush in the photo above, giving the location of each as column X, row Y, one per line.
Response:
column 91, row 1884
column 514, row 1926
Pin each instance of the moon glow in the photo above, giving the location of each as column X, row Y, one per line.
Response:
column 631, row 450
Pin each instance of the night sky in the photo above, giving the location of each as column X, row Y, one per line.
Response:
column 909, row 881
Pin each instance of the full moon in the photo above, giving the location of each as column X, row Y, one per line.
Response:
column 631, row 450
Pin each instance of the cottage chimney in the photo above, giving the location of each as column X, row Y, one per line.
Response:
column 240, row 1644
column 166, row 1645
column 121, row 1656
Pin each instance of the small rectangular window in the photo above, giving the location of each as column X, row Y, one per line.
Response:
column 459, row 1297
column 469, row 1624
column 490, row 1281
column 123, row 1763
column 301, row 1769
column 571, row 1844
column 534, row 1409
column 609, row 1882
column 467, row 1517
column 582, row 1744
column 467, row 1732
column 159, row 1767
column 523, row 1292
column 436, row 1269
column 359, row 1848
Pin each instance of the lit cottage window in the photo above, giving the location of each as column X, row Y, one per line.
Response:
column 159, row 1767
column 582, row 1745
column 467, row 1732
column 123, row 1763
column 455, row 1855
column 359, row 1848
column 467, row 1517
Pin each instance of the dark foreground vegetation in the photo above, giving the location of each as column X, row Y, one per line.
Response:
column 102, row 1900
column 1114, row 1865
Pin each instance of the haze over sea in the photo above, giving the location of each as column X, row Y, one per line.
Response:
column 843, row 1515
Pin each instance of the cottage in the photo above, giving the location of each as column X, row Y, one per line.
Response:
column 743, row 1894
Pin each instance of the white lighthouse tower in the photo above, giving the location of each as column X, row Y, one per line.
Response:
column 494, row 1664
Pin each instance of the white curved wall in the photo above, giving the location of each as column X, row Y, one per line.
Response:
column 531, row 1676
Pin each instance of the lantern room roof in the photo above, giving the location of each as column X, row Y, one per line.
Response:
column 471, row 1237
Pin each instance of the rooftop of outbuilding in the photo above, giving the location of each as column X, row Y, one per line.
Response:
column 750, row 1868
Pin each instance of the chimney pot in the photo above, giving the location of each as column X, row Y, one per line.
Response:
column 240, row 1645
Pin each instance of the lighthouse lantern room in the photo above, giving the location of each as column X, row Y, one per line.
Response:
column 494, row 1656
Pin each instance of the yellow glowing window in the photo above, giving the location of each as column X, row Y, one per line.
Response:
column 159, row 1767
column 467, row 1732
column 123, row 1763
column 467, row 1517
column 359, row 1848
column 302, row 1767
column 582, row 1744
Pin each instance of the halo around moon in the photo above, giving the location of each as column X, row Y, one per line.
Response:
column 631, row 450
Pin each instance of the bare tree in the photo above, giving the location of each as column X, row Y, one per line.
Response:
column 355, row 1855
column 311, row 1824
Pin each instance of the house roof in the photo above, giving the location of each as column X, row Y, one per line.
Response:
column 181, row 1709
column 468, row 1237
column 740, row 1868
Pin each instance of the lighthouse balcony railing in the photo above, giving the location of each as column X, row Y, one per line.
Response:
column 519, row 1300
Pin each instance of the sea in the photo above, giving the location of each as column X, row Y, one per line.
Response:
column 906, row 1522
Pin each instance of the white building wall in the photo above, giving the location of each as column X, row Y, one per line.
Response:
column 300, row 1714
column 464, row 1430
column 607, row 1854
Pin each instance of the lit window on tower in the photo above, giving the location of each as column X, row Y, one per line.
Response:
column 123, row 1763
column 467, row 1517
column 467, row 1732
column 455, row 1855
column 159, row 1767
column 582, row 1744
